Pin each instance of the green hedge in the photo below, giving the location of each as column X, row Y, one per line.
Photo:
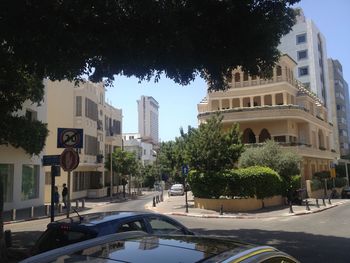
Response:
column 338, row 181
column 253, row 181
column 316, row 185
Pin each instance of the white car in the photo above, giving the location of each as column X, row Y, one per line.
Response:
column 177, row 189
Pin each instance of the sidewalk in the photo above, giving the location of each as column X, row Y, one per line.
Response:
column 175, row 205
column 40, row 211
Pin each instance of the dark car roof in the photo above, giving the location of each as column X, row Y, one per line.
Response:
column 140, row 247
column 100, row 217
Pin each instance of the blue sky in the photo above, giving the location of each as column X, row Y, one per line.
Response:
column 178, row 104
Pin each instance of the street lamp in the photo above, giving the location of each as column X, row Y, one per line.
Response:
column 111, row 168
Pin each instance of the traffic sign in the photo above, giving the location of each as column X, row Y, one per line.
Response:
column 49, row 160
column 69, row 159
column 69, row 138
column 185, row 169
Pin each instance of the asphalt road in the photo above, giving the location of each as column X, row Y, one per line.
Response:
column 319, row 237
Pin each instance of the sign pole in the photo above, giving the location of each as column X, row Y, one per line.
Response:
column 52, row 210
column 68, row 195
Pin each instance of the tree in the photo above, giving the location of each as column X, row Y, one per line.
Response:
column 123, row 163
column 210, row 148
column 285, row 163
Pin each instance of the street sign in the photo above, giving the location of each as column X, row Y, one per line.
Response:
column 69, row 138
column 49, row 160
column 185, row 169
column 69, row 159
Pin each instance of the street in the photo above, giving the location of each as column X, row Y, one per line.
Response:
column 319, row 237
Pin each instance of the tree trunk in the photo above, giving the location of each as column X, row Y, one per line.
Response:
column 3, row 252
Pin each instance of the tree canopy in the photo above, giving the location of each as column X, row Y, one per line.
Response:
column 63, row 39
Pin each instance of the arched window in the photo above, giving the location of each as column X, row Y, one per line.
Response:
column 279, row 71
column 237, row 77
column 245, row 76
column 249, row 136
column 264, row 135
column 321, row 139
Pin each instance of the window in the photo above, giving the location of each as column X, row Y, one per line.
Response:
column 303, row 71
column 81, row 181
column 279, row 71
column 160, row 226
column 6, row 175
column 31, row 115
column 78, row 106
column 301, row 38
column 91, row 110
column 237, row 77
column 132, row 226
column 338, row 107
column 90, row 145
column 245, row 76
column 302, row 54
column 30, row 181
column 116, row 127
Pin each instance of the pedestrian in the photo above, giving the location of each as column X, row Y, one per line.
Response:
column 65, row 195
column 56, row 197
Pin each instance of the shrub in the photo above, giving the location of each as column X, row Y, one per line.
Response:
column 316, row 184
column 207, row 185
column 338, row 182
column 253, row 181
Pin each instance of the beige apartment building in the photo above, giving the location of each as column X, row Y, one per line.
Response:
column 279, row 108
column 82, row 106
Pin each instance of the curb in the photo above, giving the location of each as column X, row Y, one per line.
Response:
column 242, row 216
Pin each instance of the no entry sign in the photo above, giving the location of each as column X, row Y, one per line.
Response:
column 69, row 159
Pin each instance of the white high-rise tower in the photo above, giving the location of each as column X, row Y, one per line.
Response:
column 148, row 119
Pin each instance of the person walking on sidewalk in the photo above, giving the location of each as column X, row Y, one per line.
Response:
column 64, row 195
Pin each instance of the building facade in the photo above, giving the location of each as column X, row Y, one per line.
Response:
column 281, row 109
column 148, row 117
column 83, row 106
column 23, row 174
column 307, row 46
column 132, row 142
column 341, row 102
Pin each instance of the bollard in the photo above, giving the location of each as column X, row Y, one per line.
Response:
column 83, row 203
column 76, row 204
column 13, row 214
column 317, row 205
column 307, row 205
column 221, row 210
column 324, row 203
column 329, row 201
column 31, row 215
column 8, row 238
column 291, row 208
column 47, row 210
column 161, row 197
column 59, row 208
column 154, row 201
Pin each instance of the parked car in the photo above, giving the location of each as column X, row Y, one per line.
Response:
column 78, row 228
column 142, row 247
column 177, row 189
column 345, row 193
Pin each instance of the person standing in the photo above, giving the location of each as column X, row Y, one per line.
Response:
column 65, row 195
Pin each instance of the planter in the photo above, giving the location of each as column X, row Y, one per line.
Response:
column 97, row 193
column 237, row 205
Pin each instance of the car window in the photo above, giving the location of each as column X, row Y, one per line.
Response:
column 136, row 225
column 55, row 238
column 161, row 226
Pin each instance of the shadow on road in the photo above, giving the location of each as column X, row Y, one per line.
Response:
column 305, row 247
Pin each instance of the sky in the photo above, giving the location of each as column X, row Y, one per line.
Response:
column 178, row 104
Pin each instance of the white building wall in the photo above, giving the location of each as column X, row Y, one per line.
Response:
column 289, row 46
column 18, row 157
